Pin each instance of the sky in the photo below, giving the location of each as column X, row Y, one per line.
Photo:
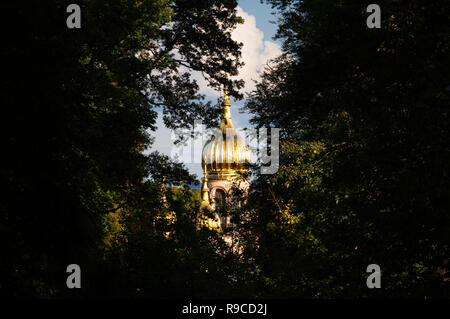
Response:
column 256, row 34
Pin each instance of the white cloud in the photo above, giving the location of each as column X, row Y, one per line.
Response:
column 255, row 53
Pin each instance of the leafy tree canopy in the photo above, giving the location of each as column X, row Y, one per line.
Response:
column 364, row 155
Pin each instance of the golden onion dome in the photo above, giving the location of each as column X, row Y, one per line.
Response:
column 226, row 153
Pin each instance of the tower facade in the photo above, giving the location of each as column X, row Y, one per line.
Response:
column 225, row 160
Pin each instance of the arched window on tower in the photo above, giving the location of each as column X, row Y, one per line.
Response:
column 220, row 199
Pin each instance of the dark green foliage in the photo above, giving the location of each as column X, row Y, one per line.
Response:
column 76, row 108
column 364, row 158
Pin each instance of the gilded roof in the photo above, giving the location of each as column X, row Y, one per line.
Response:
column 226, row 152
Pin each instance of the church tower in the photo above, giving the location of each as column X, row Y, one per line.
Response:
column 225, row 159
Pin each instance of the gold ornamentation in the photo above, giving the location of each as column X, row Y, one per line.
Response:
column 225, row 155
